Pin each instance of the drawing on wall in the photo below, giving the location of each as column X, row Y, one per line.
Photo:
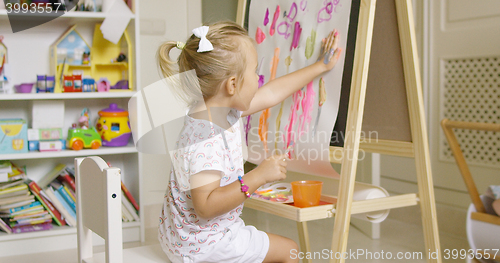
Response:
column 289, row 36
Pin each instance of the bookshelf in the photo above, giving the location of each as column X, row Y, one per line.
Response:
column 28, row 55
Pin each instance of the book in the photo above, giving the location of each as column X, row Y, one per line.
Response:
column 130, row 197
column 23, row 188
column 17, row 173
column 130, row 208
column 35, row 189
column 30, row 215
column 126, row 216
column 15, row 199
column 23, row 211
column 15, row 205
column 17, row 209
column 5, row 227
column 65, row 177
column 60, row 188
column 50, row 176
column 5, row 166
column 5, row 185
column 69, row 191
column 66, row 206
column 5, row 169
column 31, row 221
column 60, row 207
column 31, row 228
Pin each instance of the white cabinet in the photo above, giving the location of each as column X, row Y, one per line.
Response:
column 28, row 55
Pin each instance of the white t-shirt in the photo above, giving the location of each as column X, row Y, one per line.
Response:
column 201, row 146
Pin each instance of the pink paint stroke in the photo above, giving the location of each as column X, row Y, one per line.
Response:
column 303, row 5
column 273, row 25
column 290, row 136
column 284, row 32
column 293, row 9
column 259, row 35
column 296, row 36
column 307, row 108
column 266, row 19
column 328, row 8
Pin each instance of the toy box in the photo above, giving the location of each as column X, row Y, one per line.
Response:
column 13, row 136
column 45, row 134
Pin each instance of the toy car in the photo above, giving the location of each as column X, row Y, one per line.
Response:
column 79, row 138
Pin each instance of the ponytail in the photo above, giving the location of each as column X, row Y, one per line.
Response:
column 165, row 63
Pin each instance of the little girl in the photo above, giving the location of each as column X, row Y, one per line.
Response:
column 200, row 220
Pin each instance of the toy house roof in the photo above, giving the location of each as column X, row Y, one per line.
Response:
column 71, row 39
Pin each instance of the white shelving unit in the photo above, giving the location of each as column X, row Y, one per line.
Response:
column 28, row 55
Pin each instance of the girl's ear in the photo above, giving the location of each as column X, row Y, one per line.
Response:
column 231, row 85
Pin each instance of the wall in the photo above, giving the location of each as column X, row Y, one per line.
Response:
column 216, row 10
column 161, row 20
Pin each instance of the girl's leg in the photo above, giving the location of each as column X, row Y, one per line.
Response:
column 281, row 249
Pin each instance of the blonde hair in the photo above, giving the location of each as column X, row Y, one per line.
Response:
column 212, row 68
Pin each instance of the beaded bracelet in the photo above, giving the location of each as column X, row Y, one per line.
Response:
column 244, row 188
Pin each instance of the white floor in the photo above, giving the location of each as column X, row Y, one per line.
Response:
column 396, row 237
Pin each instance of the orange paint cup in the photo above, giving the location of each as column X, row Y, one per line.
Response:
column 306, row 193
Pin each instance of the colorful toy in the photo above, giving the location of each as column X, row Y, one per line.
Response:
column 114, row 126
column 73, row 83
column 79, row 138
column 13, row 136
column 122, row 84
column 103, row 85
column 86, row 58
column 83, row 136
column 88, row 85
column 45, row 83
column 24, row 88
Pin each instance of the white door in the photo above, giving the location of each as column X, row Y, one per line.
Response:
column 461, row 76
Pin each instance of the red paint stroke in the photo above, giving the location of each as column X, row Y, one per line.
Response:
column 307, row 108
column 259, row 35
column 273, row 25
column 263, row 124
column 296, row 36
column 266, row 19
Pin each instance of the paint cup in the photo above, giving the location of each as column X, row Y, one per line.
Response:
column 306, row 193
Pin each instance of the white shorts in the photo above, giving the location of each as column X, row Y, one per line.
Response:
column 245, row 244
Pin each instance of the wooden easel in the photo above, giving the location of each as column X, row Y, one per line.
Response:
column 394, row 104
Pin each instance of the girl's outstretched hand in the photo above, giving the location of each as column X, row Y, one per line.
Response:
column 273, row 168
column 330, row 52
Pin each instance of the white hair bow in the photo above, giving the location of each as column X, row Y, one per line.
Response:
column 205, row 44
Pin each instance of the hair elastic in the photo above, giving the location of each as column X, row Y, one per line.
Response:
column 180, row 45
column 244, row 188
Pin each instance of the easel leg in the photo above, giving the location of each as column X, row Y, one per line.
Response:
column 305, row 246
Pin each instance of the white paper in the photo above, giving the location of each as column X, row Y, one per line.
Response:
column 117, row 18
column 311, row 156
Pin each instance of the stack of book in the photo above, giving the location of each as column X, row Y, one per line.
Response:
column 60, row 193
column 26, row 205
column 130, row 207
column 20, row 210
column 59, row 186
